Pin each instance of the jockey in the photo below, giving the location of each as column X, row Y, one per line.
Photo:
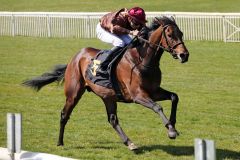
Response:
column 116, row 27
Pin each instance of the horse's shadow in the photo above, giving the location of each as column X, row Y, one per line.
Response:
column 187, row 151
column 173, row 150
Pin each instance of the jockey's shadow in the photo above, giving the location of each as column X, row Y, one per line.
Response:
column 187, row 151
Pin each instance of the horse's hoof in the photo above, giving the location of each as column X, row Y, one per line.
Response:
column 132, row 147
column 60, row 144
column 172, row 133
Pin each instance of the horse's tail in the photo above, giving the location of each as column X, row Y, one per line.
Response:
column 57, row 75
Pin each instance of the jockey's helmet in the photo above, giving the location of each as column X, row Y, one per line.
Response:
column 138, row 14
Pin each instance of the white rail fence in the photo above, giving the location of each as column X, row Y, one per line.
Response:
column 195, row 26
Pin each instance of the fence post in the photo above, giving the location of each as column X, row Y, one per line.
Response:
column 11, row 134
column 224, row 29
column 204, row 149
column 88, row 27
column 49, row 26
column 14, row 133
column 13, row 24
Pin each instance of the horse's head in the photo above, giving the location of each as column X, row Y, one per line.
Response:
column 165, row 34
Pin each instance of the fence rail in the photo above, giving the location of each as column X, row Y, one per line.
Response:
column 195, row 26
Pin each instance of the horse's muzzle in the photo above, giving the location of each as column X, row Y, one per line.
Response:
column 183, row 57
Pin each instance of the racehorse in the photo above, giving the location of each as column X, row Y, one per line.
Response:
column 137, row 73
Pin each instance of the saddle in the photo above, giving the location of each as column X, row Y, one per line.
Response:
column 108, row 79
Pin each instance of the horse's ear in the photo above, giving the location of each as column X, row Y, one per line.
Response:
column 158, row 20
column 172, row 19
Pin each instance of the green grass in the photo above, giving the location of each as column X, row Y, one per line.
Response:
column 208, row 87
column 110, row 5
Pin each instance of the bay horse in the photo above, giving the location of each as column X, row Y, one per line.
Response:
column 138, row 75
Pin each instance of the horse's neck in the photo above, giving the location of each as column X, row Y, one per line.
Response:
column 150, row 52
column 150, row 56
column 149, row 70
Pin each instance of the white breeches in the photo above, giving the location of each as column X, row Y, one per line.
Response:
column 115, row 40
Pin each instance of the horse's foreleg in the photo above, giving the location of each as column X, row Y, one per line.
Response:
column 161, row 95
column 149, row 103
column 111, row 108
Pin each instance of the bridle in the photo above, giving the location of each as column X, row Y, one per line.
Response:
column 158, row 46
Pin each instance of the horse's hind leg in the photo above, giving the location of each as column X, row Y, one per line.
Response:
column 73, row 91
column 111, row 108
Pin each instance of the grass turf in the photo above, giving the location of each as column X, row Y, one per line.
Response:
column 208, row 87
column 110, row 5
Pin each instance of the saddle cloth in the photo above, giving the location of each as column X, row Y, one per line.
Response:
column 107, row 80
column 93, row 74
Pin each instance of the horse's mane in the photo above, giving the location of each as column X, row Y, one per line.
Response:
column 162, row 20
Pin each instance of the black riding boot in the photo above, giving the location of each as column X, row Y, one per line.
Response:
column 111, row 55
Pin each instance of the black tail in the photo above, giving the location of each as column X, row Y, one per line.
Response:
column 38, row 82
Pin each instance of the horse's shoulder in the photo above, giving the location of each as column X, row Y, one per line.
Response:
column 132, row 54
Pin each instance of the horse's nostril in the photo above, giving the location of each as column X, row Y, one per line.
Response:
column 182, row 55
